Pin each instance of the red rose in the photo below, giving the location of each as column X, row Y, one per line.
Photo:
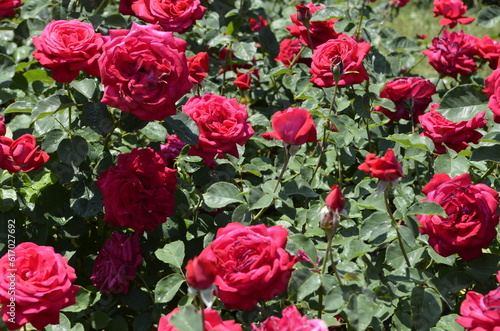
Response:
column 411, row 96
column 201, row 273
column 293, row 126
column 289, row 48
column 43, row 286
column 116, row 264
column 243, row 81
column 454, row 135
column 3, row 129
column 222, row 123
column 489, row 50
column 21, row 154
column 292, row 320
column 492, row 89
column 472, row 216
column 171, row 150
column 481, row 312
column 7, row 7
column 453, row 11
column 385, row 168
column 399, row 3
column 213, row 322
column 198, row 67
column 257, row 25
column 320, row 31
column 67, row 47
column 335, row 199
column 453, row 54
column 138, row 192
column 144, row 71
column 345, row 52
column 252, row 263
column 174, row 16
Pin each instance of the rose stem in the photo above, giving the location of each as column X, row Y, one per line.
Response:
column 395, row 225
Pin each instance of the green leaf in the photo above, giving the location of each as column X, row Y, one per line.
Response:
column 489, row 17
column 86, row 199
column 355, row 248
column 64, row 324
column 245, row 51
column 185, row 128
column 445, row 164
column 167, row 287
column 52, row 140
column 448, row 323
column 360, row 310
column 463, row 102
column 402, row 43
column 413, row 140
column 118, row 324
column 19, row 107
column 377, row 227
column 172, row 253
column 303, row 283
column 82, row 301
column 222, row 194
column 99, row 320
column 155, row 131
column 426, row 208
column 7, row 70
column 97, row 117
column 300, row 241
column 486, row 153
column 327, row 13
column 8, row 198
column 86, row 87
column 73, row 150
column 188, row 319
column 258, row 198
column 426, row 308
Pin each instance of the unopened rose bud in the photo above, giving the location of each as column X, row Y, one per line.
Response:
column 201, row 273
column 337, row 69
column 329, row 220
column 303, row 13
column 335, row 200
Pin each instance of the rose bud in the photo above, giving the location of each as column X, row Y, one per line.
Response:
column 201, row 273
column 304, row 14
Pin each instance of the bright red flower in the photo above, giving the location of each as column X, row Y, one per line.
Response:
column 292, row 320
column 3, row 129
column 385, row 168
column 201, row 273
column 21, row 154
column 489, row 50
column 399, row 3
column 243, row 81
column 492, row 89
column 213, row 322
column 7, row 7
column 198, row 67
column 293, row 126
column 289, row 48
column 257, row 25
column 335, row 199
column 453, row 11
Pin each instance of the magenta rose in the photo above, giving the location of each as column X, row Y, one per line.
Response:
column 292, row 320
column 411, row 96
column 453, row 12
column 472, row 216
column 320, row 31
column 7, row 7
column 343, row 53
column 66, row 47
column 252, row 263
column 453, row 54
column 489, row 50
column 144, row 71
column 454, row 135
column 492, row 89
column 116, row 264
column 213, row 322
column 399, row 3
column 481, row 312
column 171, row 150
column 21, row 154
column 138, row 192
column 43, row 283
column 223, row 124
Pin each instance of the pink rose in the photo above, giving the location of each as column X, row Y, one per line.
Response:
column 116, row 264
column 138, row 192
column 294, row 126
column 21, row 154
column 454, row 135
column 344, row 53
column 492, row 89
column 489, row 50
column 67, row 47
column 213, row 322
column 223, row 124
column 7, row 7
column 453, row 11
column 411, row 96
column 144, row 71
column 252, row 263
column 453, row 54
column 43, row 286
column 175, row 16
column 472, row 216
column 292, row 320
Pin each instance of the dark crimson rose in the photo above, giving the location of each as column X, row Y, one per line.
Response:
column 489, row 50
column 385, row 168
column 293, row 126
column 3, row 129
column 453, row 12
column 66, row 47
column 399, row 3
column 252, row 263
column 223, row 124
column 454, row 135
column 335, row 199
column 201, row 273
column 492, row 89
column 292, row 320
column 257, row 25
column 345, row 52
column 453, row 54
column 289, row 48
column 21, row 154
column 138, row 192
column 7, row 7
column 411, row 96
column 243, row 81
column 171, row 15
column 213, row 322
column 144, row 71
column 481, row 312
column 320, row 31
column 43, row 286
column 198, row 67
column 171, row 150
column 472, row 216
column 116, row 264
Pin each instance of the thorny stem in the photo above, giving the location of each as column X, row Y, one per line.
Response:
column 395, row 225
column 361, row 15
column 297, row 57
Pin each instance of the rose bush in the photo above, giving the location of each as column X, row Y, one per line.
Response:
column 212, row 322
column 291, row 320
